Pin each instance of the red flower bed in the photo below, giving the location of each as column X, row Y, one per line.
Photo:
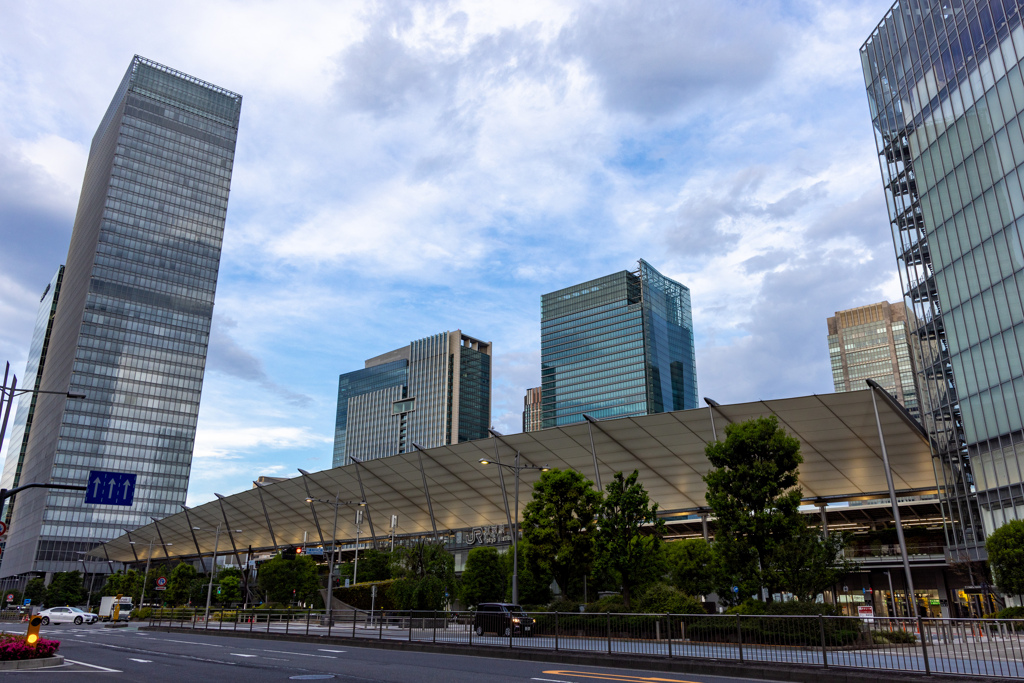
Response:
column 13, row 647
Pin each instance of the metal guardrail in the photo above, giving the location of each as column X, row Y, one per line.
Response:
column 979, row 647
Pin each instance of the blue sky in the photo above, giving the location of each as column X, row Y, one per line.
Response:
column 405, row 168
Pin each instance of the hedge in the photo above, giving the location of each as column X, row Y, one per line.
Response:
column 360, row 595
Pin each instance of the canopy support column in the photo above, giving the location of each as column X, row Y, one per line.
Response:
column 426, row 491
column 266, row 515
column 593, row 451
column 312, row 506
column 231, row 536
column 911, row 595
column 362, row 497
column 191, row 530
column 159, row 535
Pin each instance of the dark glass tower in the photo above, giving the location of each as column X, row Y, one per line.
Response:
column 616, row 346
column 132, row 324
column 17, row 446
column 946, row 93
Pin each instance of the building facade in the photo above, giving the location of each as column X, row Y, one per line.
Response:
column 617, row 346
column 433, row 392
column 532, row 414
column 132, row 324
column 946, row 96
column 870, row 342
column 17, row 446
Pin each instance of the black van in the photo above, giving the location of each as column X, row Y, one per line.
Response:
column 502, row 618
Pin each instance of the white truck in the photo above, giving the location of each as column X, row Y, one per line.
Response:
column 107, row 604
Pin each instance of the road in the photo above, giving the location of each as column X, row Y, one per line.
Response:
column 95, row 653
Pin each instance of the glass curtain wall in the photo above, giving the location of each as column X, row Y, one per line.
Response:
column 946, row 94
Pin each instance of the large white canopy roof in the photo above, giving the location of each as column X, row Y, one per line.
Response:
column 839, row 437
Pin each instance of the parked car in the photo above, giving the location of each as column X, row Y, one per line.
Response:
column 502, row 618
column 67, row 615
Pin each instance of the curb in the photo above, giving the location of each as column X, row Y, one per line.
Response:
column 681, row 665
column 39, row 663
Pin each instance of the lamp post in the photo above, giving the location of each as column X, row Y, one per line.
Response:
column 334, row 545
column 7, row 394
column 517, row 468
column 213, row 566
column 85, row 568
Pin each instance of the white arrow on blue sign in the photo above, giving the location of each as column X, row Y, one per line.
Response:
column 110, row 488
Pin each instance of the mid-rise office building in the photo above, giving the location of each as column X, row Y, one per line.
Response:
column 616, row 346
column 946, row 95
column 132, row 323
column 870, row 342
column 533, row 416
column 17, row 446
column 433, row 392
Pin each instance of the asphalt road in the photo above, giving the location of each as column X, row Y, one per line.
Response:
column 95, row 653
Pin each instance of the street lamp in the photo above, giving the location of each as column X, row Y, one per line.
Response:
column 517, row 468
column 213, row 567
column 149, row 557
column 334, row 544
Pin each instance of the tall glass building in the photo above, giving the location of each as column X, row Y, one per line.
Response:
column 616, row 346
column 433, row 392
column 946, row 95
column 17, row 445
column 132, row 324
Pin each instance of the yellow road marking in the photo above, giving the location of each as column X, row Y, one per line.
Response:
column 616, row 677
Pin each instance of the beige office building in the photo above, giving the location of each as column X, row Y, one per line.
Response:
column 871, row 342
column 532, row 411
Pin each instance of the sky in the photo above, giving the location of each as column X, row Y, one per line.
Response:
column 405, row 168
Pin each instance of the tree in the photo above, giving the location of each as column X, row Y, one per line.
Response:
column 284, row 580
column 483, row 579
column 35, row 590
column 623, row 550
column 559, row 524
column 128, row 584
column 661, row 598
column 66, row 589
column 808, row 563
column 179, row 584
column 426, row 573
column 534, row 579
column 374, row 565
column 1005, row 548
column 752, row 491
column 229, row 589
column 692, row 566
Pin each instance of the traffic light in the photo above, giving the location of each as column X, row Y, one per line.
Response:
column 32, row 637
column 288, row 553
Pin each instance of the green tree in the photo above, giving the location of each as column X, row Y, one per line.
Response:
column 624, row 550
column 128, row 584
column 692, row 566
column 35, row 590
column 808, row 564
column 426, row 576
column 534, row 578
column 661, row 598
column 559, row 524
column 179, row 584
column 483, row 579
column 752, row 490
column 278, row 578
column 66, row 589
column 1005, row 548
column 229, row 589
column 374, row 565
column 17, row 597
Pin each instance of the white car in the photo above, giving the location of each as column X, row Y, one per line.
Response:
column 67, row 615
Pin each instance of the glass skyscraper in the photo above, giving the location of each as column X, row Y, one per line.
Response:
column 132, row 324
column 616, row 346
column 946, row 95
column 433, row 392
column 17, row 446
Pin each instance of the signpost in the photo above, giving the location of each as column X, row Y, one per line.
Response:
column 110, row 488
column 161, row 583
column 10, row 597
column 3, row 528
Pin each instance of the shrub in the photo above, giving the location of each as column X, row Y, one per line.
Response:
column 360, row 595
column 564, row 605
column 893, row 637
column 142, row 613
column 13, row 647
column 1011, row 613
column 661, row 598
column 609, row 603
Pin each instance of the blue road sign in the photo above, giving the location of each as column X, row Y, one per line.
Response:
column 110, row 488
column 28, row 601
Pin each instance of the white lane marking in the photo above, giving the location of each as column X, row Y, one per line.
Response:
column 320, row 649
column 300, row 654
column 143, row 661
column 238, row 654
column 94, row 666
column 189, row 642
column 550, row 680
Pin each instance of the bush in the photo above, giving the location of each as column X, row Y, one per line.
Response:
column 609, row 603
column 142, row 613
column 360, row 595
column 13, row 647
column 893, row 638
column 661, row 598
column 564, row 605
column 1011, row 613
